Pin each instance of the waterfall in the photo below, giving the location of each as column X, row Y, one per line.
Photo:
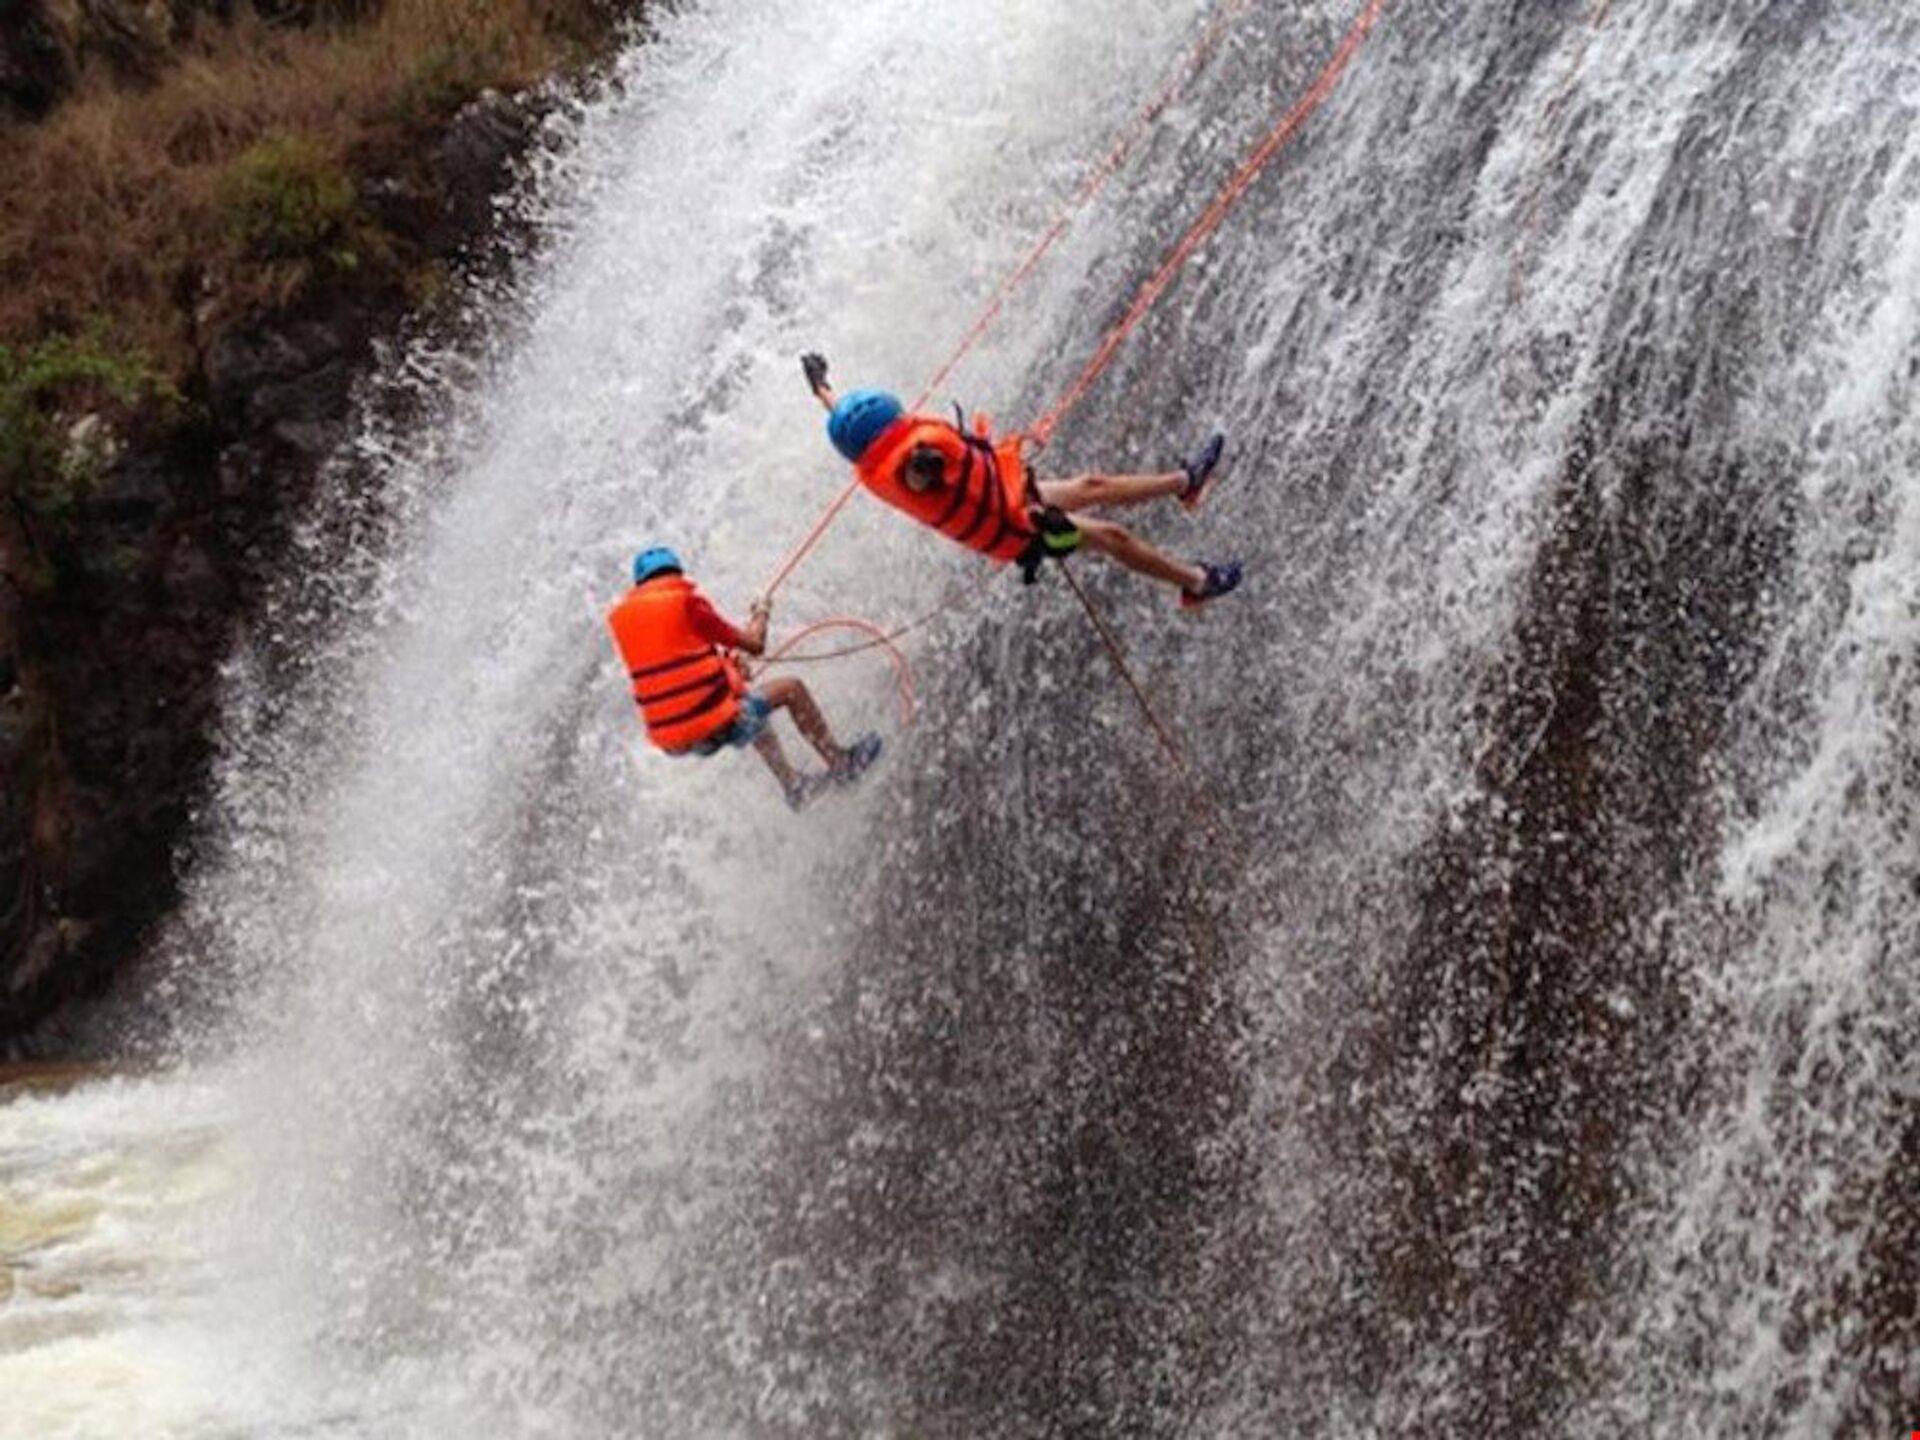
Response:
column 1526, row 1050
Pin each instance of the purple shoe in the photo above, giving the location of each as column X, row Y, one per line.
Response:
column 1200, row 470
column 1221, row 580
column 853, row 764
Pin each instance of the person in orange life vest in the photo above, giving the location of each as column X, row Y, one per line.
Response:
column 694, row 699
column 980, row 491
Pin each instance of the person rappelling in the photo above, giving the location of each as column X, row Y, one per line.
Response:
column 981, row 492
column 694, row 696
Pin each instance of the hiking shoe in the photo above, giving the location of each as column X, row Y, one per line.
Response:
column 853, row 762
column 855, row 759
column 803, row 788
column 1221, row 580
column 1200, row 470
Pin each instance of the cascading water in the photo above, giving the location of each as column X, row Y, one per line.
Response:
column 1529, row 1057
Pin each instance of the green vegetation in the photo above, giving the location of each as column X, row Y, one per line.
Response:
column 227, row 170
column 287, row 199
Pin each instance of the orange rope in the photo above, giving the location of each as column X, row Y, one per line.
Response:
column 983, row 577
column 1210, row 219
column 1195, row 61
column 799, row 552
column 1096, row 180
column 903, row 673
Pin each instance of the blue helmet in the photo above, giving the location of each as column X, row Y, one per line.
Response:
column 657, row 560
column 858, row 419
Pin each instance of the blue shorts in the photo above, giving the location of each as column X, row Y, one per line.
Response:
column 744, row 730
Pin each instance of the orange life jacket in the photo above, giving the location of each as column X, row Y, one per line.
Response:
column 686, row 689
column 983, row 502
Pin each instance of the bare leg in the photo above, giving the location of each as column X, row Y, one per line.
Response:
column 767, row 747
column 787, row 693
column 1136, row 554
column 1086, row 492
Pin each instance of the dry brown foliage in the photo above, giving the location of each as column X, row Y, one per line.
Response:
column 109, row 208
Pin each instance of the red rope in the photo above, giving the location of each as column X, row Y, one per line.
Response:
column 903, row 673
column 1210, row 219
column 1096, row 180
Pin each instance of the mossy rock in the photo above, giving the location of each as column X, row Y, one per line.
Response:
column 45, row 478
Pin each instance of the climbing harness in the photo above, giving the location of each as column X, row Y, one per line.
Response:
column 1055, row 537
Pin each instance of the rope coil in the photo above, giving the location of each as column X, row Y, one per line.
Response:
column 878, row 640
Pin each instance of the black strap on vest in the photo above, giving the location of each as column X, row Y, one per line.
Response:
column 979, row 458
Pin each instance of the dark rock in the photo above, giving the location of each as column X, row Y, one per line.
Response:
column 241, row 470
column 246, row 357
column 306, row 413
column 16, row 736
column 474, row 160
column 401, row 208
column 43, row 951
column 96, row 850
column 36, row 71
column 52, row 946
column 192, row 582
column 132, row 491
column 112, row 653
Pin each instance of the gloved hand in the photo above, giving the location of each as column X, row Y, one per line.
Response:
column 814, row 366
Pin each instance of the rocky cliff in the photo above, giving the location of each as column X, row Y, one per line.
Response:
column 145, row 503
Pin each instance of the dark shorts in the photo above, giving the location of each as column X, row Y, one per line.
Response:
column 745, row 729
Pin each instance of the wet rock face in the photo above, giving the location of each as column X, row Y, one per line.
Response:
column 285, row 386
column 115, row 618
column 104, row 729
column 475, row 157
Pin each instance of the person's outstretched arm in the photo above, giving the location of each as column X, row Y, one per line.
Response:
column 814, row 366
column 710, row 625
